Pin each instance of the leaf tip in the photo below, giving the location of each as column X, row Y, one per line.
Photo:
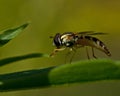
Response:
column 25, row 25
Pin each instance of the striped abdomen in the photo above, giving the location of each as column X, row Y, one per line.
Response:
column 93, row 42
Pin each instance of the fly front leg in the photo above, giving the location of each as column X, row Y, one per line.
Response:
column 93, row 54
column 55, row 51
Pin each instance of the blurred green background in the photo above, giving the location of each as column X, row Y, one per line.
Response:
column 48, row 17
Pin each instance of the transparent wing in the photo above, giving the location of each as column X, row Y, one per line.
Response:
column 91, row 33
column 86, row 32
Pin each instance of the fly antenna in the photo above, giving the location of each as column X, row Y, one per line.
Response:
column 51, row 37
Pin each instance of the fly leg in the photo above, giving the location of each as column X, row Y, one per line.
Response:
column 93, row 53
column 66, row 56
column 55, row 51
column 72, row 49
column 87, row 53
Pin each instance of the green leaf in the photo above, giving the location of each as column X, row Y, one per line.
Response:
column 78, row 72
column 9, row 34
column 9, row 60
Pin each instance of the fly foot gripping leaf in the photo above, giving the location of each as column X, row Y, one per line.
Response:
column 9, row 34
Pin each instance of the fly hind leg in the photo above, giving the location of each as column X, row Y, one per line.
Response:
column 93, row 54
column 87, row 53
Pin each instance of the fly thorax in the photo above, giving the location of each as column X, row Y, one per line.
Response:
column 68, row 40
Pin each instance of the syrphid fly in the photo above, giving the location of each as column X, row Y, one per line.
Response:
column 76, row 40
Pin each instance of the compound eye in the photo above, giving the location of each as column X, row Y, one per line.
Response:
column 57, row 40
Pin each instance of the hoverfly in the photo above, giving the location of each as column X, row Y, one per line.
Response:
column 73, row 41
